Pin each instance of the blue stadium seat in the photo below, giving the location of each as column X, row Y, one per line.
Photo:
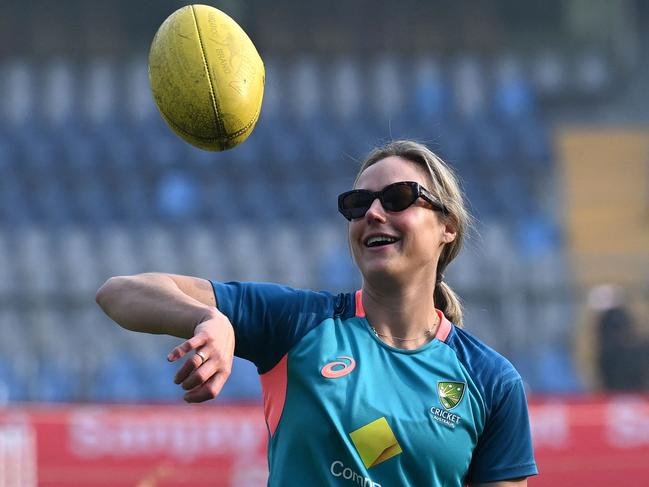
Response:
column 58, row 94
column 358, row 137
column 549, row 370
column 15, row 207
column 116, row 245
column 83, row 180
column 274, row 108
column 289, row 264
column 202, row 251
column 259, row 200
column 243, row 244
column 513, row 96
column 549, row 74
column 300, row 199
column 54, row 206
column 222, row 201
column 430, row 93
column 136, row 104
column 119, row 379
column 286, row 151
column 78, row 261
column 119, row 151
column 531, row 145
column 245, row 161
column 347, row 109
column 36, row 272
column 177, row 195
column 387, row 103
column 469, row 87
column 12, row 388
column 477, row 192
column 91, row 201
column 491, row 145
column 7, row 264
column 161, row 249
column 155, row 372
column 56, row 383
column 98, row 94
column 327, row 156
column 19, row 95
column 39, row 164
column 344, row 98
column 38, row 153
column 593, row 74
column 134, row 199
column 510, row 197
column 325, row 245
column 304, row 83
column 452, row 142
column 536, row 234
column 81, row 155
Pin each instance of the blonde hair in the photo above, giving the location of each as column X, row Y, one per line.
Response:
column 446, row 188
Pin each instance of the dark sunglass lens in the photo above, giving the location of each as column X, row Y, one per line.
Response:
column 399, row 197
column 356, row 204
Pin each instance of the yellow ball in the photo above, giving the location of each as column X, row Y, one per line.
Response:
column 207, row 78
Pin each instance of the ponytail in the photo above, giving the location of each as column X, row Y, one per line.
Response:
column 448, row 303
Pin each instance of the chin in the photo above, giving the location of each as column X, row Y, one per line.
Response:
column 373, row 271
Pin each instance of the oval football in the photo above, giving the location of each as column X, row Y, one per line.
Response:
column 207, row 77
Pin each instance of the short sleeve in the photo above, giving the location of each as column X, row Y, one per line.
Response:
column 268, row 319
column 504, row 450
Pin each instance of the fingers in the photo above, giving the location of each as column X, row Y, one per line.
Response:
column 187, row 346
column 207, row 390
column 190, row 365
column 204, row 372
column 203, row 380
column 213, row 365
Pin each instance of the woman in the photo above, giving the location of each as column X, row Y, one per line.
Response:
column 376, row 387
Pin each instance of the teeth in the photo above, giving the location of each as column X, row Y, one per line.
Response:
column 379, row 240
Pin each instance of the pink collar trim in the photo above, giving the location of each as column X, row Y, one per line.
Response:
column 444, row 325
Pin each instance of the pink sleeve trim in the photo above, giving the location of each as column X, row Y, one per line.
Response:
column 444, row 327
column 273, row 385
column 360, row 311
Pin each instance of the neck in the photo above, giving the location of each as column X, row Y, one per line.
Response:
column 408, row 314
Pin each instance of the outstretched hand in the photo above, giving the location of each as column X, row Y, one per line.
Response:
column 206, row 370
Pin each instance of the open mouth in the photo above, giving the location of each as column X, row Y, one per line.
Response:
column 379, row 241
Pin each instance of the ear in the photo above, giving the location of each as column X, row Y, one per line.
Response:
column 449, row 233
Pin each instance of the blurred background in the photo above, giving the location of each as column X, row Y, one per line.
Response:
column 542, row 108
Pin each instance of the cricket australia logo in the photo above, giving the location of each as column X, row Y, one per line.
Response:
column 450, row 394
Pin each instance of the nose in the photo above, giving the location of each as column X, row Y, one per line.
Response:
column 375, row 211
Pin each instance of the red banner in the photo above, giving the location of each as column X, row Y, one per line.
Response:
column 140, row 446
column 595, row 442
column 591, row 442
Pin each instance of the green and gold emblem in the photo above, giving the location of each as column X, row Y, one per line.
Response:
column 450, row 393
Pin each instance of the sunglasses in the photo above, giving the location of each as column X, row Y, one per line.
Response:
column 394, row 197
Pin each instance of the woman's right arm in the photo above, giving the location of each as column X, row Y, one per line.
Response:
column 181, row 306
column 158, row 303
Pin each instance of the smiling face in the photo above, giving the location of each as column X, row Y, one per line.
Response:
column 397, row 246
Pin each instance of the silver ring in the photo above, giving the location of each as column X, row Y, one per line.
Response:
column 203, row 357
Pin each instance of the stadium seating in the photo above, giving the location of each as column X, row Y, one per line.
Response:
column 99, row 186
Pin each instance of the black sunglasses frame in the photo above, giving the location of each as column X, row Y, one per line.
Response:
column 417, row 191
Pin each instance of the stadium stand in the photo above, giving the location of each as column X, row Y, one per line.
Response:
column 100, row 187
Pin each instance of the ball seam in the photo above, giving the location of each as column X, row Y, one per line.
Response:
column 209, row 77
column 214, row 139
